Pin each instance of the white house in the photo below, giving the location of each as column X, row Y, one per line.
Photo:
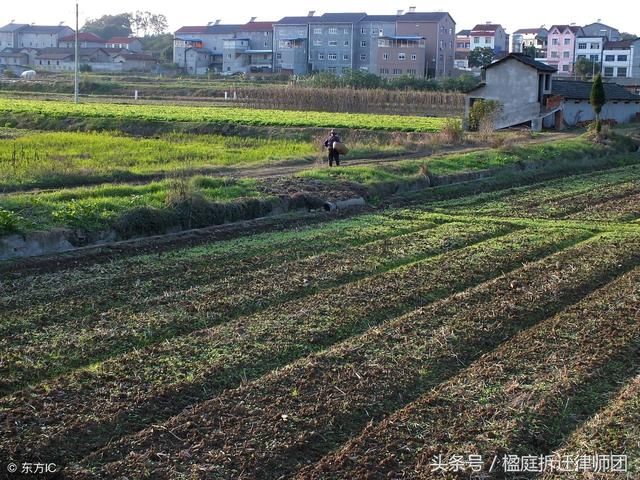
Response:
column 590, row 48
column 621, row 59
column 521, row 85
column 489, row 35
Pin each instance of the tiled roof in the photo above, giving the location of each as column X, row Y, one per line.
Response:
column 125, row 40
column 577, row 90
column 296, row 20
column 192, row 29
column 422, row 16
column 136, row 56
column 342, row 17
column 257, row 27
column 486, row 27
column 529, row 31
column 221, row 29
column 622, row 45
column 12, row 27
column 527, row 60
column 83, row 37
column 464, row 33
column 44, row 29
column 562, row 28
column 380, row 18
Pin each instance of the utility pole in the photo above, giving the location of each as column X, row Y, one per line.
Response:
column 76, row 80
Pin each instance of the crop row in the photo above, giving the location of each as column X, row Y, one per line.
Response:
column 521, row 399
column 147, row 385
column 124, row 280
column 326, row 398
column 77, row 334
column 552, row 199
column 614, row 429
column 222, row 115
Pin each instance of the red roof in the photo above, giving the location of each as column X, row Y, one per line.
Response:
column 83, row 37
column 193, row 29
column 125, row 40
column 257, row 27
column 529, row 31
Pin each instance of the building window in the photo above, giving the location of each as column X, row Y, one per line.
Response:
column 567, row 41
column 582, row 46
column 595, row 58
column 384, row 71
column 554, row 41
column 317, row 31
column 345, row 57
column 321, row 56
column 332, row 69
column 595, row 46
column 278, row 56
column 609, row 58
column 346, row 43
column 622, row 71
column 622, row 58
column 486, row 40
column 608, row 71
column 332, row 56
column 363, row 43
column 476, row 39
column 397, row 71
column 414, row 56
column 580, row 57
column 565, row 68
column 385, row 56
column 363, row 31
column 402, row 56
column 566, row 54
column 317, row 43
column 554, row 54
column 333, row 43
column 412, row 72
column 347, row 31
column 333, row 31
column 363, row 56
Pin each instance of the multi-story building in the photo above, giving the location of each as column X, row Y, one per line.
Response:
column 371, row 28
column 601, row 30
column 17, row 35
column 291, row 44
column 561, row 47
column 490, row 35
column 621, row 59
column 199, row 49
column 251, row 49
column 331, row 41
column 125, row 43
column 590, row 48
column 439, row 32
column 530, row 37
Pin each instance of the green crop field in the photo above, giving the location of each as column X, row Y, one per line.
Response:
column 220, row 115
column 454, row 331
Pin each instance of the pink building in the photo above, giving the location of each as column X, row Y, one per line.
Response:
column 561, row 47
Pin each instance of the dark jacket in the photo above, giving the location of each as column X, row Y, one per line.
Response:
column 331, row 140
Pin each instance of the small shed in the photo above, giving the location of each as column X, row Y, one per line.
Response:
column 620, row 106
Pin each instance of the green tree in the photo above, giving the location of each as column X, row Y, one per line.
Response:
column 159, row 46
column 148, row 24
column 586, row 68
column 109, row 26
column 480, row 57
column 530, row 51
column 628, row 36
column 597, row 100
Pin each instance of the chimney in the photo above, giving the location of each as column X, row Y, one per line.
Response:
column 253, row 19
column 311, row 13
column 412, row 10
column 400, row 12
column 217, row 22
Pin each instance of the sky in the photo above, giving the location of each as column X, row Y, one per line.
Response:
column 467, row 13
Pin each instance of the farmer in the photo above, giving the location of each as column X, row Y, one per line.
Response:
column 333, row 154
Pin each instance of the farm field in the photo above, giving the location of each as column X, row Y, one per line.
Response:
column 219, row 115
column 504, row 323
column 96, row 181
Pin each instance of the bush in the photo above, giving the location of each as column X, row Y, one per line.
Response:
column 482, row 115
column 451, row 132
column 86, row 68
column 144, row 221
column 8, row 221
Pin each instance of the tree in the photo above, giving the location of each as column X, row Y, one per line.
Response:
column 109, row 26
column 530, row 51
column 586, row 68
column 628, row 36
column 480, row 57
column 597, row 100
column 147, row 23
column 160, row 46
